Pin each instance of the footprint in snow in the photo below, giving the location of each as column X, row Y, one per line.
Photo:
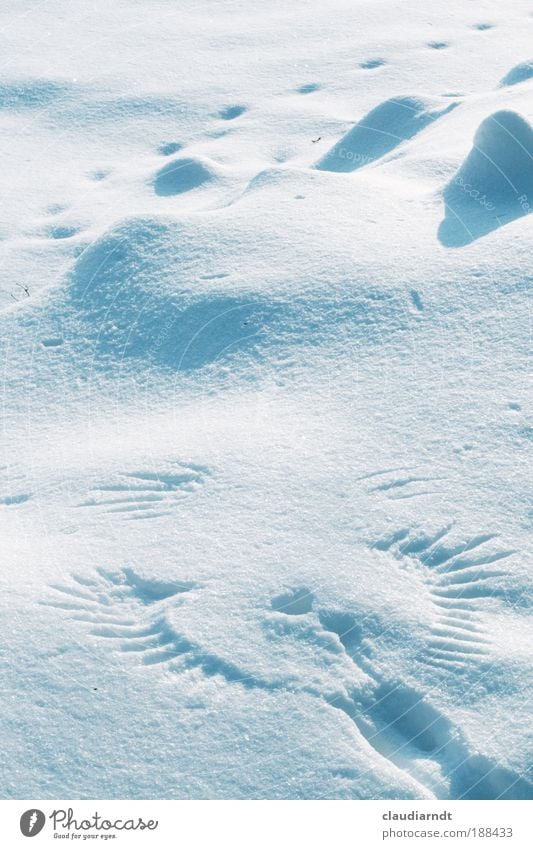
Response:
column 229, row 113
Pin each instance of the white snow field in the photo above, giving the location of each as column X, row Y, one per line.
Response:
column 265, row 404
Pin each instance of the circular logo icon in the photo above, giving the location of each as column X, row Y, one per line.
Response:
column 32, row 822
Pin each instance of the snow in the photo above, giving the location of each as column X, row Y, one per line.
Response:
column 265, row 404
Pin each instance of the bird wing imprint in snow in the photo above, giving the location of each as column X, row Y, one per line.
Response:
column 130, row 611
column 146, row 494
column 396, row 719
column 459, row 577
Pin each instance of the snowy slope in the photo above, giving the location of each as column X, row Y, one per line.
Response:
column 265, row 405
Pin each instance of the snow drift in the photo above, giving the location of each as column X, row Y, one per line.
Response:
column 384, row 128
column 495, row 183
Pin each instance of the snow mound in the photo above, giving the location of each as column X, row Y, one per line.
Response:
column 495, row 183
column 382, row 130
column 183, row 175
column 519, row 74
column 130, row 291
column 267, row 178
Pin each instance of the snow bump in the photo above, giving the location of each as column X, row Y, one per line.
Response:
column 182, row 175
column 382, row 130
column 494, row 186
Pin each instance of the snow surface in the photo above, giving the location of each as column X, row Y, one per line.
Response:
column 265, row 402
